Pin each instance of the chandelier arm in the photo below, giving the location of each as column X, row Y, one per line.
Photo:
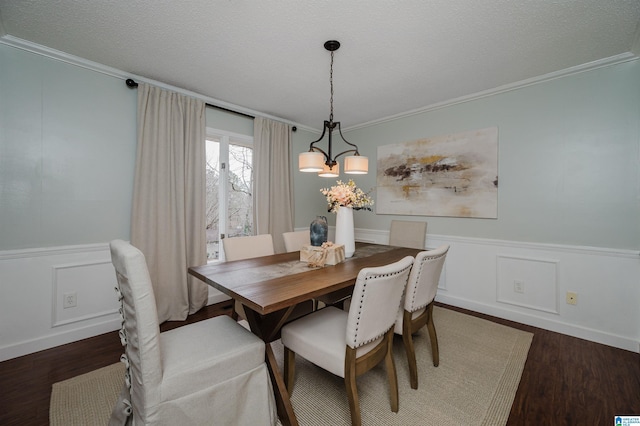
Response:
column 315, row 148
column 354, row 151
column 347, row 142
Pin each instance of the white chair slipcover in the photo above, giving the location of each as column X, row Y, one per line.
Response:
column 348, row 344
column 418, row 305
column 209, row 372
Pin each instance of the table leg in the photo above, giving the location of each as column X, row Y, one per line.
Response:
column 283, row 403
column 266, row 327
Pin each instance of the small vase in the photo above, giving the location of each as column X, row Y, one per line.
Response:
column 344, row 230
column 318, row 231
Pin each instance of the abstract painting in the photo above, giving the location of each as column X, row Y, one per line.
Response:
column 452, row 175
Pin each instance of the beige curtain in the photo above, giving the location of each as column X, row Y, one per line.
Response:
column 168, row 223
column 273, row 192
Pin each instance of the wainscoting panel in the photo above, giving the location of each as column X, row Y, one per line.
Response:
column 91, row 284
column 33, row 285
column 34, row 282
column 528, row 282
column 478, row 275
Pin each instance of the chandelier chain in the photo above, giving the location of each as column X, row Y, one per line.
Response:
column 331, row 84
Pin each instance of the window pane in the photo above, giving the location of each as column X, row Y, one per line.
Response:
column 229, row 176
column 213, row 197
column 239, row 191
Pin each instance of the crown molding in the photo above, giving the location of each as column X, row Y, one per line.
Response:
column 601, row 63
column 18, row 43
column 58, row 55
column 114, row 72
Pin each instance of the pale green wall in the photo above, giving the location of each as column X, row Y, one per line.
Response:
column 67, row 152
column 569, row 161
column 235, row 123
column 569, row 157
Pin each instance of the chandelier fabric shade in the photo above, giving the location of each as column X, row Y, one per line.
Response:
column 356, row 164
column 311, row 161
column 317, row 160
column 330, row 171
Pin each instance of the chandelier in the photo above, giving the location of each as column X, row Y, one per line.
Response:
column 323, row 162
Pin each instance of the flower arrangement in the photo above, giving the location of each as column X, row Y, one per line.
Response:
column 347, row 195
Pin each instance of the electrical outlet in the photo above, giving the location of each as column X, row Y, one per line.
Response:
column 572, row 298
column 518, row 286
column 69, row 300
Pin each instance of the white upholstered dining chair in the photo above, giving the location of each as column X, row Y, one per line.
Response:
column 407, row 233
column 349, row 344
column 294, row 240
column 238, row 248
column 212, row 371
column 418, row 306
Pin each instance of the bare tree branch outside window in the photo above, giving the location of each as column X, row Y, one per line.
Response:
column 239, row 214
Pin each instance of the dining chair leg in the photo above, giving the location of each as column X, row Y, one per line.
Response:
column 283, row 403
column 391, row 373
column 350, row 385
column 409, row 348
column 289, row 368
column 433, row 336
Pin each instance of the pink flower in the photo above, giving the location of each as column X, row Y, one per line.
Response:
column 346, row 195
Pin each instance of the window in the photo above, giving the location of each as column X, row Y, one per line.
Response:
column 229, row 184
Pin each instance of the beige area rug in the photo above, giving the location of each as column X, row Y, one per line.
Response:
column 481, row 363
column 86, row 400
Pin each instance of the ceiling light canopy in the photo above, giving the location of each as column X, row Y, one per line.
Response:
column 323, row 162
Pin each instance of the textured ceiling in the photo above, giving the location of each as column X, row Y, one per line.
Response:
column 268, row 56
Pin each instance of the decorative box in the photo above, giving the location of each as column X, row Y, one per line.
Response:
column 320, row 256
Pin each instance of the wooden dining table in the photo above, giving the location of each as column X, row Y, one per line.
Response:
column 271, row 289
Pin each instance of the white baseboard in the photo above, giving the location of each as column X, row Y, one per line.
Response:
column 546, row 324
column 46, row 342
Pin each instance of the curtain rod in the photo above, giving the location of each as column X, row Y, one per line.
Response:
column 133, row 85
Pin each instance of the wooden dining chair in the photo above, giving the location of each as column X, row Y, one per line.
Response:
column 348, row 344
column 294, row 240
column 418, row 306
column 210, row 371
column 406, row 233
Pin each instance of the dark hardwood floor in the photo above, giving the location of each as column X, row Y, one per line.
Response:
column 566, row 381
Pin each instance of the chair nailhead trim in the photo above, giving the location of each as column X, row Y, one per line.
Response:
column 364, row 288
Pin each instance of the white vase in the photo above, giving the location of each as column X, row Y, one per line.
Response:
column 344, row 230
